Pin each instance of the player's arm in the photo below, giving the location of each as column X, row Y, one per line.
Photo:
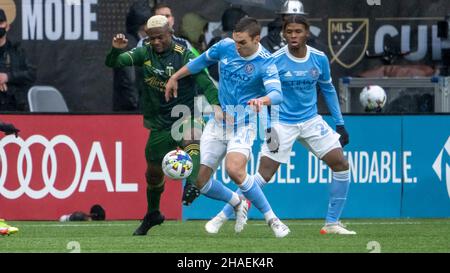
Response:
column 118, row 57
column 196, row 65
column 331, row 99
column 204, row 82
column 272, row 84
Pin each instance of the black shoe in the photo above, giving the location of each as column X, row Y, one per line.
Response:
column 190, row 192
column 150, row 219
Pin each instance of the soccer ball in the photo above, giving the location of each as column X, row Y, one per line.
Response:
column 177, row 164
column 372, row 97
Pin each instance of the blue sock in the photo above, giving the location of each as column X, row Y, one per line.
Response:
column 253, row 192
column 228, row 210
column 338, row 195
column 216, row 190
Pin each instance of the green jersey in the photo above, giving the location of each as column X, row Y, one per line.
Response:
column 157, row 70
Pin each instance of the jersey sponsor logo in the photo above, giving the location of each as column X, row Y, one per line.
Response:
column 232, row 75
column 441, row 165
column 343, row 32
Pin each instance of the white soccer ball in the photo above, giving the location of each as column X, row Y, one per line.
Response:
column 177, row 164
column 372, row 97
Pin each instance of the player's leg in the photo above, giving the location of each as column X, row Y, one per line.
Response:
column 267, row 169
column 6, row 229
column 191, row 145
column 338, row 191
column 158, row 144
column 212, row 150
column 236, row 163
column 318, row 137
column 269, row 163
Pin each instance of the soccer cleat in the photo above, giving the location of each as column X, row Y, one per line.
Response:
column 150, row 220
column 336, row 228
column 279, row 229
column 213, row 226
column 241, row 215
column 6, row 229
column 190, row 193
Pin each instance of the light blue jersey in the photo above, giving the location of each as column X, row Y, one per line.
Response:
column 241, row 79
column 299, row 77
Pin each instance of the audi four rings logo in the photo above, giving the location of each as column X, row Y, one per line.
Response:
column 25, row 163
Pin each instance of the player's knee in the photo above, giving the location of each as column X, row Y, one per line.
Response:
column 266, row 176
column 204, row 174
column 236, row 173
column 340, row 166
column 153, row 178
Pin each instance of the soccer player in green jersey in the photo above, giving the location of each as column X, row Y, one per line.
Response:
column 160, row 58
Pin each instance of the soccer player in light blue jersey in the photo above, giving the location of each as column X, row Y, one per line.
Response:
column 248, row 77
column 301, row 69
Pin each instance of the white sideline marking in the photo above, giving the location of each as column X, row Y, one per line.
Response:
column 170, row 222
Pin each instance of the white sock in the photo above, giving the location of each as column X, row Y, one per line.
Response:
column 269, row 215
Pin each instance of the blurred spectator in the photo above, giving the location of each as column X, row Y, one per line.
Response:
column 230, row 17
column 17, row 75
column 274, row 39
column 125, row 80
column 193, row 27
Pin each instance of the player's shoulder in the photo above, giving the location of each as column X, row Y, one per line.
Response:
column 264, row 53
column 226, row 42
column 181, row 41
column 280, row 52
column 315, row 52
column 179, row 48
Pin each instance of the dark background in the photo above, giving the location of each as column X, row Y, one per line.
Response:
column 77, row 67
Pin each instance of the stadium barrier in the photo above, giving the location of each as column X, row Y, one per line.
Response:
column 66, row 163
column 400, row 167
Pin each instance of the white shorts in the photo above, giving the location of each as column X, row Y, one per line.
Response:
column 315, row 134
column 216, row 141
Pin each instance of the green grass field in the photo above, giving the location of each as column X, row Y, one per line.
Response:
column 391, row 235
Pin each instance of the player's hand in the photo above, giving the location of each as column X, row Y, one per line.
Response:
column 344, row 139
column 9, row 129
column 272, row 140
column 171, row 89
column 258, row 103
column 119, row 41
